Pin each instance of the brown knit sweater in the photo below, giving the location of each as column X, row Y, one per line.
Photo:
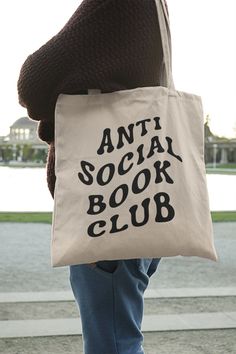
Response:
column 106, row 44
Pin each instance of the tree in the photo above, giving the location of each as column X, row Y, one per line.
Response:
column 40, row 155
column 28, row 152
column 234, row 129
column 7, row 153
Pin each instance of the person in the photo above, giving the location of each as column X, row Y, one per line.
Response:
column 108, row 45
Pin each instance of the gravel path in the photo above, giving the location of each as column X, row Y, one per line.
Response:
column 45, row 310
column 25, row 266
column 186, row 342
column 25, row 262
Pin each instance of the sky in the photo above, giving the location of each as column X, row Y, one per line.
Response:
column 203, row 43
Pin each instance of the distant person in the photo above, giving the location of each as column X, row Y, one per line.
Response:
column 108, row 45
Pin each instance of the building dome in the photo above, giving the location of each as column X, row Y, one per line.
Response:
column 23, row 130
column 24, row 122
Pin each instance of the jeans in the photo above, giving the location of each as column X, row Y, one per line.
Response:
column 109, row 296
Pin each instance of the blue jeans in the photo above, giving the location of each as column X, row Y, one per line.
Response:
column 109, row 296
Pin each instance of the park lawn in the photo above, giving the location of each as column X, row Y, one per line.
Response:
column 223, row 216
column 46, row 218
column 222, row 169
column 228, row 165
column 225, row 171
column 40, row 217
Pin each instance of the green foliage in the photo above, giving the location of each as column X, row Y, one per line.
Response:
column 40, row 155
column 7, row 152
column 28, row 153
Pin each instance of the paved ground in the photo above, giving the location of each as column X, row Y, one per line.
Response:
column 66, row 309
column 25, row 267
column 188, row 342
column 25, row 262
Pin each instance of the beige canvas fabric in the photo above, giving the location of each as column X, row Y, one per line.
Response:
column 130, row 170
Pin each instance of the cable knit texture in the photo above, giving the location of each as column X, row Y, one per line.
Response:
column 106, row 44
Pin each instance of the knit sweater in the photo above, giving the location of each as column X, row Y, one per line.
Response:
column 106, row 44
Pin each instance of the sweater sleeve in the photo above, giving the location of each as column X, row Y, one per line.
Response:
column 106, row 44
column 45, row 71
column 104, row 40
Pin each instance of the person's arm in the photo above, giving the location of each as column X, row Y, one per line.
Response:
column 50, row 69
column 100, row 42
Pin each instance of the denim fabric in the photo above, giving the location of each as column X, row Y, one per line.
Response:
column 109, row 296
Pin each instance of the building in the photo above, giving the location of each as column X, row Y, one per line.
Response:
column 22, row 143
column 218, row 150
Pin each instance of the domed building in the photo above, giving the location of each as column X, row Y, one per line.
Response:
column 22, row 143
column 24, row 130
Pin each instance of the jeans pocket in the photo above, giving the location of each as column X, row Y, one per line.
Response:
column 107, row 267
column 143, row 264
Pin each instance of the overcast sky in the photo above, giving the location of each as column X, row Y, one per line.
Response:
column 203, row 41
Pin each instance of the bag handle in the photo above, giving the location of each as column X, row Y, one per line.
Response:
column 166, row 78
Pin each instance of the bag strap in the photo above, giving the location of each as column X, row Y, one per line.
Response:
column 166, row 77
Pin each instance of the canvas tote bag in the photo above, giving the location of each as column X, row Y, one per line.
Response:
column 130, row 173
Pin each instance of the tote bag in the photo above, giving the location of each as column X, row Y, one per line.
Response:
column 130, row 173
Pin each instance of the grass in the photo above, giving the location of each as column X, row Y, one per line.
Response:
column 223, row 216
column 228, row 165
column 46, row 218
column 223, row 169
